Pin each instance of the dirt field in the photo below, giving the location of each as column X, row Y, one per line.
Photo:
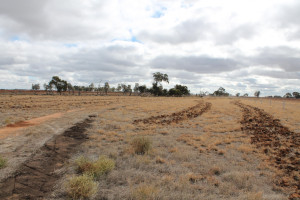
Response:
column 201, row 148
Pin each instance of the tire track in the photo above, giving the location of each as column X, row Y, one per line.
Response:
column 36, row 177
column 189, row 113
column 280, row 144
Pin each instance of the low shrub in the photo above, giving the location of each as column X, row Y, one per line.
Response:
column 97, row 168
column 81, row 187
column 141, row 145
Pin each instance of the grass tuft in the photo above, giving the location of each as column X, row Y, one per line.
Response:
column 81, row 187
column 144, row 192
column 97, row 168
column 141, row 145
column 2, row 162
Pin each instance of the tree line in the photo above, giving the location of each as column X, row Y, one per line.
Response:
column 157, row 89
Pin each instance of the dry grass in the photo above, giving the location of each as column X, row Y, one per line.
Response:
column 207, row 157
column 96, row 169
column 141, row 145
column 81, row 187
column 3, row 162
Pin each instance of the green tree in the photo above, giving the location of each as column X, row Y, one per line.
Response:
column 106, row 87
column 296, row 95
column 142, row 89
column 221, row 92
column 287, row 95
column 157, row 88
column 59, row 84
column 70, row 88
column 257, row 93
column 136, row 88
column 91, row 87
column 159, row 77
column 35, row 87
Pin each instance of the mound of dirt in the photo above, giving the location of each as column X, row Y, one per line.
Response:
column 36, row 177
column 189, row 113
column 280, row 144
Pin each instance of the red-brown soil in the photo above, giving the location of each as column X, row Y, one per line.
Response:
column 11, row 128
column 189, row 113
column 280, row 144
column 36, row 177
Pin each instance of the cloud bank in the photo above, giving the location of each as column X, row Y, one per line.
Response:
column 240, row 45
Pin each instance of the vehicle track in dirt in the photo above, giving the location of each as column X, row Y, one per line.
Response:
column 189, row 113
column 36, row 177
column 281, row 145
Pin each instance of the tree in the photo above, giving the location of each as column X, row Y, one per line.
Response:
column 136, row 88
column 48, row 88
column 159, row 77
column 91, row 87
column 142, row 89
column 296, row 95
column 221, row 92
column 257, row 93
column 70, row 88
column 106, row 87
column 287, row 95
column 35, row 86
column 60, row 85
column 245, row 95
column 179, row 91
column 119, row 88
column 237, row 94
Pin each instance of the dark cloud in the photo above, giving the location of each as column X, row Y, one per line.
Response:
column 282, row 57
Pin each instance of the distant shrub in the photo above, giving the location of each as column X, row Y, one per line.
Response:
column 2, row 162
column 81, row 187
column 96, row 168
column 141, row 145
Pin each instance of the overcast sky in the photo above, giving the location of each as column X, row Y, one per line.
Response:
column 240, row 45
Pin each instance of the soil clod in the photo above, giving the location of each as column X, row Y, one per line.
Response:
column 189, row 113
column 277, row 141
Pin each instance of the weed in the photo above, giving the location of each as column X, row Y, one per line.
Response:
column 141, row 145
column 81, row 187
column 2, row 162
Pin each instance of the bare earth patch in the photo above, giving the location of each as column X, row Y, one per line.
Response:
column 36, row 177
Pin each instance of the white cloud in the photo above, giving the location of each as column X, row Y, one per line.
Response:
column 240, row 45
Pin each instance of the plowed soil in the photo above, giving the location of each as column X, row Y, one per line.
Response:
column 36, row 177
column 280, row 144
column 189, row 113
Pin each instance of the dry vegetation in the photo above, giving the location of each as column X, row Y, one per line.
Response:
column 206, row 156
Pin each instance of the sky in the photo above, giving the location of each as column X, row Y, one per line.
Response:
column 240, row 45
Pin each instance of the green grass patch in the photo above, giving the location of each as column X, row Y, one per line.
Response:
column 3, row 162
